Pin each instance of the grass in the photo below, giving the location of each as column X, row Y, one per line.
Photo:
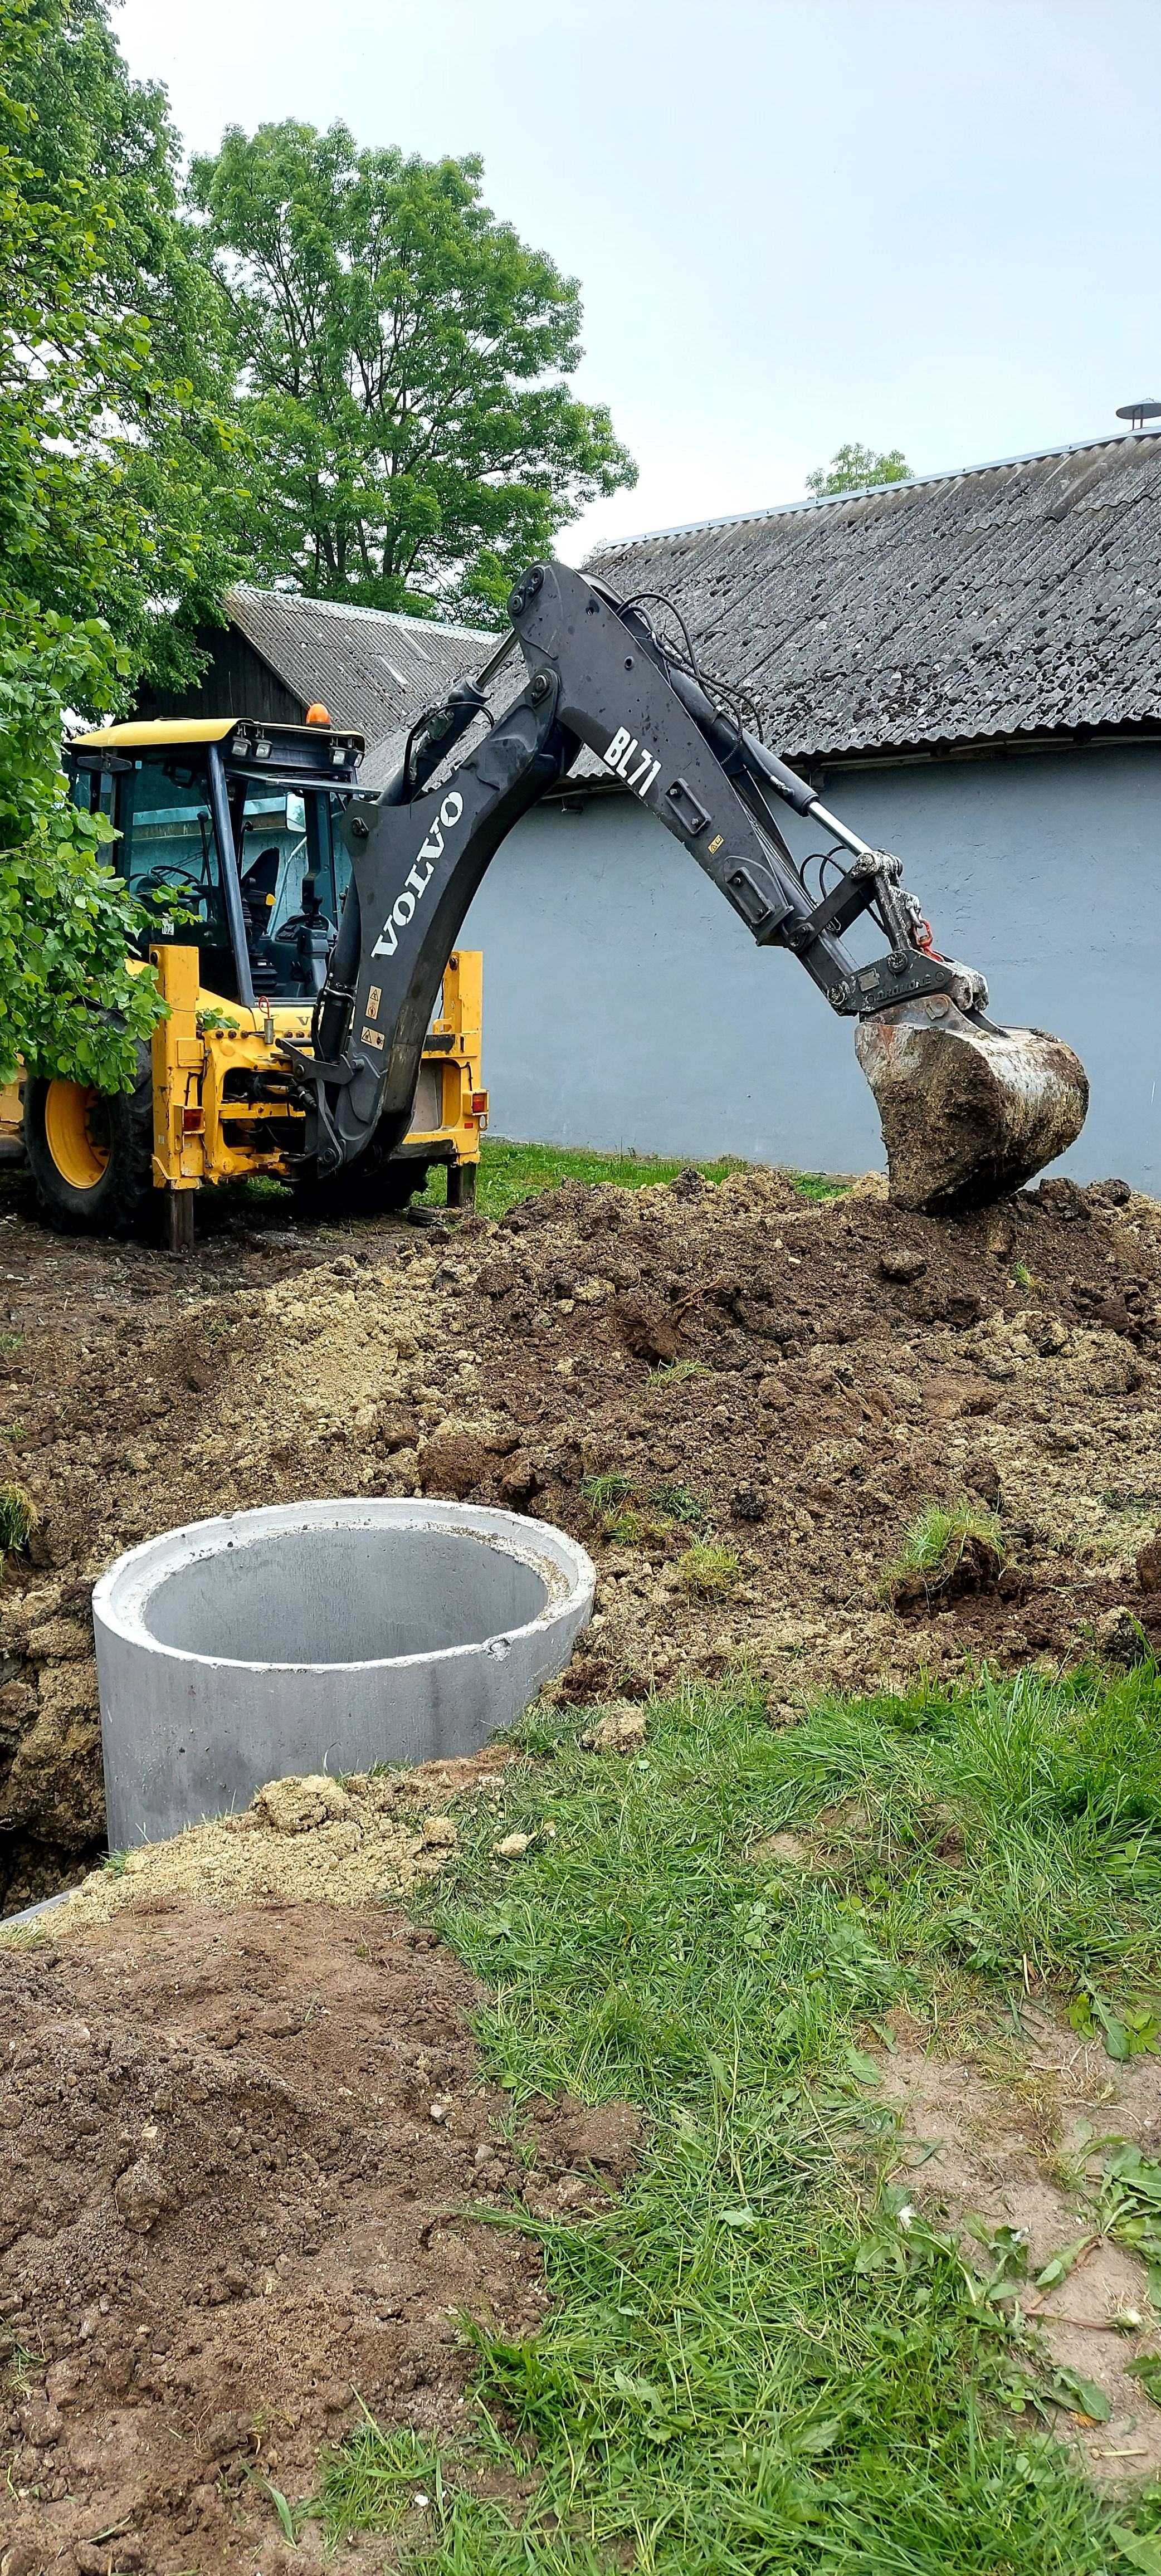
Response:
column 670, row 1507
column 936, row 1539
column 678, row 1503
column 18, row 1519
column 762, row 2360
column 509, row 1172
column 617, row 1518
column 819, row 1185
column 709, row 1570
column 16, row 2372
column 603, row 1493
column 379, row 2479
column 1120, row 1535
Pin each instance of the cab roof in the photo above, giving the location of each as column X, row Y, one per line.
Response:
column 165, row 730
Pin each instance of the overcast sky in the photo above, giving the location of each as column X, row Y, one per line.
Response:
column 921, row 223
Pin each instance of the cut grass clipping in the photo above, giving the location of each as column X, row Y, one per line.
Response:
column 766, row 2357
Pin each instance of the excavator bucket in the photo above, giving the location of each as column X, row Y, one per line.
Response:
column 967, row 1111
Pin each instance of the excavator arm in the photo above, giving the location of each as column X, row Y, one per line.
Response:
column 966, row 1109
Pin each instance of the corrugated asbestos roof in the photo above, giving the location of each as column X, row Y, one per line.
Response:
column 371, row 669
column 1010, row 599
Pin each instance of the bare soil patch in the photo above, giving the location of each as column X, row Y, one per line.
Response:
column 1006, row 2144
column 790, row 1381
column 238, row 2165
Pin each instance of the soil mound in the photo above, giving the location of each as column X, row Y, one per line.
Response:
column 737, row 1397
column 236, row 2171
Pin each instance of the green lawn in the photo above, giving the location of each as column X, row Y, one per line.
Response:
column 509, row 1172
column 763, row 2360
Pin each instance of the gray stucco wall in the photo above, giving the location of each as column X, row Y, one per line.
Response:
column 624, row 1006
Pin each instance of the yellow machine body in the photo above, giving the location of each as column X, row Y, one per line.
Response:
column 205, row 1129
column 223, row 1105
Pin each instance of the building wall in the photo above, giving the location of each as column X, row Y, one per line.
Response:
column 625, row 1006
column 234, row 681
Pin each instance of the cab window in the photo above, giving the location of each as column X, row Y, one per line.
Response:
column 92, row 789
column 168, row 854
column 293, row 873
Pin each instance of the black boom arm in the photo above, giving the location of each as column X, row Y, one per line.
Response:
column 598, row 675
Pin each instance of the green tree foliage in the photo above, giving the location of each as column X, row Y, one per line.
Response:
column 853, row 468
column 119, row 464
column 67, row 1001
column 108, row 457
column 405, row 364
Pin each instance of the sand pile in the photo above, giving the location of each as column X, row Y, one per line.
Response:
column 300, row 1840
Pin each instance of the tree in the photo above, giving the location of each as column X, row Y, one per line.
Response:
column 853, row 468
column 122, row 492
column 405, row 363
column 68, row 1004
column 105, row 454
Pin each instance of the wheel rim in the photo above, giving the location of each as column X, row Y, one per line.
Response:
column 76, row 1129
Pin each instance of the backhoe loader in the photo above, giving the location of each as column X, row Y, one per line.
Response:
column 327, row 1062
column 232, row 825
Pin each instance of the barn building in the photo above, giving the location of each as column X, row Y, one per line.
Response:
column 967, row 666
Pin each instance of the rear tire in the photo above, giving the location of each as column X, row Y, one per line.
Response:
column 91, row 1153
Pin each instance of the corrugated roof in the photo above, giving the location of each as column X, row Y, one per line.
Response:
column 372, row 668
column 1021, row 597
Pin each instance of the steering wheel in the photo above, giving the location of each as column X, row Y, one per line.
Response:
column 170, row 877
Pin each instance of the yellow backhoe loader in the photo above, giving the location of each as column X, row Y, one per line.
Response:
column 235, row 825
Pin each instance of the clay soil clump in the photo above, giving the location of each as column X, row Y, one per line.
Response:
column 346, row 1842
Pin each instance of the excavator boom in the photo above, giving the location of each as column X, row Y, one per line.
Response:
column 967, row 1110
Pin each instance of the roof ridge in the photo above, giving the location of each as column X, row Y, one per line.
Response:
column 868, row 491
column 358, row 608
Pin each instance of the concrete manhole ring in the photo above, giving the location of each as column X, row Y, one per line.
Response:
column 321, row 1635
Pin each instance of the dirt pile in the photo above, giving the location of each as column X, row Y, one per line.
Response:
column 737, row 1397
column 343, row 1843
column 237, row 2167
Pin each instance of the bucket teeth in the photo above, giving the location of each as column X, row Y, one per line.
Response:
column 967, row 1112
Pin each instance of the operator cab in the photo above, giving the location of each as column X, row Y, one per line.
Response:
column 228, row 831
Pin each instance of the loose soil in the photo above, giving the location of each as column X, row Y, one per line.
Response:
column 238, row 2170
column 790, row 1381
column 345, row 1842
